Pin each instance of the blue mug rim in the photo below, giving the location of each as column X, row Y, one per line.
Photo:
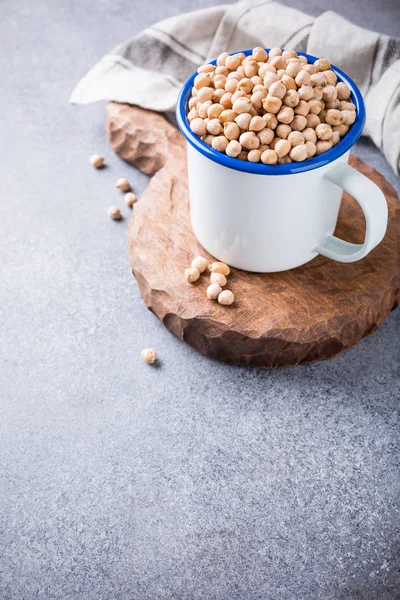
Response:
column 316, row 162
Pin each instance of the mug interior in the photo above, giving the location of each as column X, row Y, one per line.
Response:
column 259, row 168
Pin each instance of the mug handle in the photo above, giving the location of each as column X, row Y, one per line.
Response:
column 373, row 203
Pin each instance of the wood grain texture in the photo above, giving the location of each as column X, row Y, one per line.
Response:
column 279, row 319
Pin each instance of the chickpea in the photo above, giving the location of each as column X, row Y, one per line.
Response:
column 272, row 104
column 246, row 85
column 203, row 108
column 344, row 105
column 343, row 91
column 114, row 213
column 263, row 147
column 269, row 157
column 285, row 115
column 295, row 138
column 231, row 131
column 269, row 79
column 275, row 52
column 324, row 131
column 254, row 156
column 214, row 111
column 322, row 115
column 293, row 69
column 96, row 161
column 288, row 82
column 204, row 94
column 322, row 64
column 342, row 129
column 243, row 120
column 202, row 80
column 193, row 103
column 206, row 68
column 219, row 279
column 299, row 153
column 232, row 62
column 256, row 124
column 226, row 100
column 251, row 68
column 283, row 131
column 310, row 69
column 311, row 149
column 318, row 79
column 270, row 121
column 302, row 60
column 282, row 148
column 213, row 291
column 243, row 155
column 313, row 121
column 302, row 108
column 335, row 138
column 249, row 140
column 318, row 92
column 303, row 78
column 231, row 85
column 227, row 115
column 192, row 275
column 207, row 139
column 266, row 68
column 253, row 112
column 259, row 54
column 289, row 54
column 257, row 98
column 330, row 77
column 285, row 160
column 323, row 146
column 214, row 127
column 291, row 98
column 220, row 143
column 265, row 136
column 315, row 106
column 221, row 58
column 348, row 117
column 222, row 70
column 200, row 263
column 226, row 297
column 278, row 62
column 219, row 82
column 149, row 356
column 192, row 114
column 130, row 199
column 123, row 184
column 277, row 90
column 238, row 94
column 280, row 73
column 217, row 95
column 329, row 93
column 233, row 149
column 299, row 123
column 333, row 117
column 241, row 105
column 273, row 143
column 219, row 267
column 309, row 135
column 306, row 92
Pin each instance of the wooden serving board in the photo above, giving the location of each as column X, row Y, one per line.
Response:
column 278, row 320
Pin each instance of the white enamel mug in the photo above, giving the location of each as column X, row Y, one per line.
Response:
column 269, row 218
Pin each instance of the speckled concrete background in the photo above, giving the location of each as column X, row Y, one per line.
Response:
column 189, row 481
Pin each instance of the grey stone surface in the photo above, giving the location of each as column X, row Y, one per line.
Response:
column 193, row 480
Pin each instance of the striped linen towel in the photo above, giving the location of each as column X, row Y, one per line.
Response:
column 150, row 69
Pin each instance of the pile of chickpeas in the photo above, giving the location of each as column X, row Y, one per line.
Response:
column 273, row 108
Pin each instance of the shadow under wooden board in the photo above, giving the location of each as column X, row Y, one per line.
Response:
column 279, row 319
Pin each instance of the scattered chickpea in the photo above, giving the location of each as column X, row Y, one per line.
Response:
column 299, row 153
column 214, row 127
column 231, row 131
column 322, row 64
column 265, row 136
column 269, row 157
column 233, row 149
column 226, row 297
column 219, row 267
column 309, row 135
column 114, row 213
column 283, row 131
column 296, row 138
column 285, row 115
column 96, row 161
column 130, row 198
column 218, row 278
column 149, row 356
column 323, row 131
column 227, row 115
column 306, row 92
column 257, row 124
column 214, row 111
column 323, row 146
column 272, row 104
column 318, row 79
column 277, row 89
column 259, row 54
column 343, row 91
column 348, row 117
column 311, row 148
column 198, row 126
column 302, row 108
column 282, row 148
column 192, row 275
column 220, row 143
column 213, row 291
column 254, row 155
column 333, row 116
column 299, row 123
column 123, row 185
column 205, row 94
